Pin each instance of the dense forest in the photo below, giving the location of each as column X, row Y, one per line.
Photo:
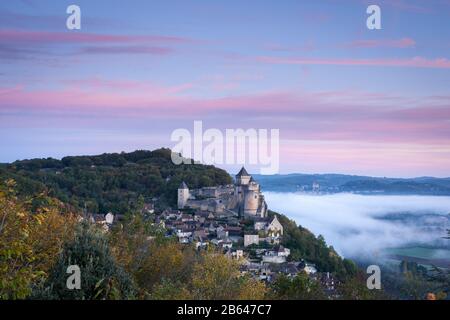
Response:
column 115, row 182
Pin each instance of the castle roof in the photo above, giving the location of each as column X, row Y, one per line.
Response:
column 183, row 185
column 242, row 172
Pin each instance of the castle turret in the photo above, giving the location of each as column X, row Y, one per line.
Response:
column 251, row 202
column 243, row 178
column 183, row 195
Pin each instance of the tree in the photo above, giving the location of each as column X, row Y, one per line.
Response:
column 299, row 288
column 217, row 277
column 355, row 288
column 130, row 241
column 252, row 289
column 101, row 277
column 168, row 290
column 165, row 261
column 441, row 277
column 32, row 233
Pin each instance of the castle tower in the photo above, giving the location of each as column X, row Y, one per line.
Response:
column 183, row 195
column 251, row 203
column 251, row 198
column 243, row 178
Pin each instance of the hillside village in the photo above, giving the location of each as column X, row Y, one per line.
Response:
column 234, row 219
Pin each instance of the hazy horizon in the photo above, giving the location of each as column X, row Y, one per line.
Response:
column 232, row 171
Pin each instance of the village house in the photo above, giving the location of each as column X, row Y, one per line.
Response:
column 171, row 214
column 199, row 218
column 238, row 254
column 186, row 217
column 216, row 241
column 104, row 220
column 250, row 239
column 226, row 244
column 233, row 231
column 265, row 273
column 278, row 255
column 201, row 244
column 260, row 225
column 309, row 268
column 148, row 208
column 221, row 232
column 201, row 234
column 184, row 235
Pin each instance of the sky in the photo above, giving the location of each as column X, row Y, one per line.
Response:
column 345, row 99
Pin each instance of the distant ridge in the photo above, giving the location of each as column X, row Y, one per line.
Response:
column 337, row 183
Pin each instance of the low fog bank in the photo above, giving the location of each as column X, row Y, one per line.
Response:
column 362, row 226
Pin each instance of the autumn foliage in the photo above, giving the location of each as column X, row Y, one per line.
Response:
column 39, row 237
column 30, row 240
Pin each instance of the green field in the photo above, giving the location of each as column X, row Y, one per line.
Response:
column 421, row 252
column 421, row 255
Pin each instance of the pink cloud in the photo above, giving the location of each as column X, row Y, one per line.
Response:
column 332, row 116
column 400, row 43
column 44, row 37
column 127, row 50
column 321, row 130
column 125, row 86
column 25, row 44
column 307, row 47
column 415, row 62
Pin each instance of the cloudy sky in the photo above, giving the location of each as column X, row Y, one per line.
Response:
column 346, row 99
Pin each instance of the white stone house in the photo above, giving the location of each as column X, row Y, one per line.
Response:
column 227, row 244
column 310, row 268
column 276, row 256
column 260, row 225
column 250, row 239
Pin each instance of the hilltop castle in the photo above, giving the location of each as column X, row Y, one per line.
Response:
column 243, row 199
